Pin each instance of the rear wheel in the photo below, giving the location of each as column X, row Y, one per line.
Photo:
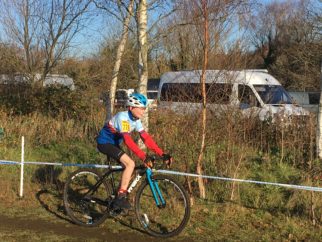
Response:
column 165, row 221
column 86, row 204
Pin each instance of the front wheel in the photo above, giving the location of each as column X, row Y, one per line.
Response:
column 163, row 221
column 85, row 198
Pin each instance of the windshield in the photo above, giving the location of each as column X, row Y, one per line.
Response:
column 273, row 94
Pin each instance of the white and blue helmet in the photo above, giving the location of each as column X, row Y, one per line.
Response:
column 137, row 100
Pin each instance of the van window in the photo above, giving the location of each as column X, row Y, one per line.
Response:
column 273, row 94
column 247, row 97
column 314, row 98
column 181, row 92
column 218, row 93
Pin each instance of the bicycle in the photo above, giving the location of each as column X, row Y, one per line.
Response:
column 161, row 205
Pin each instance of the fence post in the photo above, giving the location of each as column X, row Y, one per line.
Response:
column 22, row 165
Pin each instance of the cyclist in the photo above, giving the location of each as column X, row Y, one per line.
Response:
column 118, row 129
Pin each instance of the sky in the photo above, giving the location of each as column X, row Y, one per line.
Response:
column 89, row 40
column 101, row 28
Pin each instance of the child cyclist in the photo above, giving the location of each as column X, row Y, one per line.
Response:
column 119, row 129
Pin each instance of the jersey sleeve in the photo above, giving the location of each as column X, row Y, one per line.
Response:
column 150, row 143
column 129, row 142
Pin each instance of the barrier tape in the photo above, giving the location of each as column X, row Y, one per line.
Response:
column 6, row 162
column 308, row 188
column 299, row 187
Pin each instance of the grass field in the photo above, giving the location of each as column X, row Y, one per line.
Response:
column 230, row 211
column 42, row 208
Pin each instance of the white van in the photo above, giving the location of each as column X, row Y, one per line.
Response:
column 307, row 100
column 252, row 91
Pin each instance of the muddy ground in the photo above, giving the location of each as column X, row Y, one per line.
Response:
column 77, row 233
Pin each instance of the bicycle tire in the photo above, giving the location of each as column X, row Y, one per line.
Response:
column 83, row 211
column 163, row 222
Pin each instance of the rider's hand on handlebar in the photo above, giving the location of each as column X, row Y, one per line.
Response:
column 167, row 159
column 148, row 162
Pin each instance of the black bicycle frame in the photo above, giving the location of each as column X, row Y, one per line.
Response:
column 158, row 198
column 109, row 172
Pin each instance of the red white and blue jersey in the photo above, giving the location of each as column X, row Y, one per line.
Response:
column 119, row 129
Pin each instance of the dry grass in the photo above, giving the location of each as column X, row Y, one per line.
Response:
column 40, row 129
column 235, row 147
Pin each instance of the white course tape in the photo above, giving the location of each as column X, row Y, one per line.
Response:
column 7, row 162
column 307, row 188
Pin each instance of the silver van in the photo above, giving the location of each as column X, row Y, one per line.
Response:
column 252, row 91
column 307, row 100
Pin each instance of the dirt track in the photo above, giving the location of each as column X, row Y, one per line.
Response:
column 52, row 219
column 77, row 232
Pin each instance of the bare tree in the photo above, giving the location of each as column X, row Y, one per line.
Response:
column 319, row 125
column 318, row 144
column 148, row 37
column 205, row 27
column 182, row 44
column 44, row 29
column 61, row 22
column 122, row 11
column 120, row 49
column 205, row 22
column 143, row 47
column 21, row 25
column 287, row 37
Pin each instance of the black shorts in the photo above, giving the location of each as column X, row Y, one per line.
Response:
column 111, row 151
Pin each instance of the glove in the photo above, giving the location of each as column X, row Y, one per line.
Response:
column 167, row 159
column 148, row 161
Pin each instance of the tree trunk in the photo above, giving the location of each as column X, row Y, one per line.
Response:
column 143, row 55
column 319, row 126
column 202, row 190
column 318, row 146
column 119, row 54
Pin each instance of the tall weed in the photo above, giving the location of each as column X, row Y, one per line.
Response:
column 236, row 146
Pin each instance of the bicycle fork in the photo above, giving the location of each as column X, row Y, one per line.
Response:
column 158, row 198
